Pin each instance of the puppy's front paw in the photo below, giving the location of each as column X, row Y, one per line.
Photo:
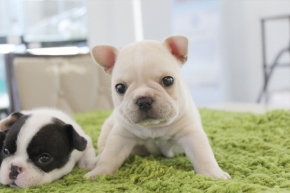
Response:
column 97, row 171
column 222, row 174
column 90, row 174
column 215, row 173
column 88, row 163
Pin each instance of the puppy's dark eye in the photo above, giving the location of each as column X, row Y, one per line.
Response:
column 44, row 158
column 167, row 81
column 6, row 151
column 120, row 88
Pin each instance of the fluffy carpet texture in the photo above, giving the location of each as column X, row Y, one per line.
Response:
column 254, row 149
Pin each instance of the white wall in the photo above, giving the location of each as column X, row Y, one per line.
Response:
column 157, row 19
column 199, row 21
column 241, row 49
column 110, row 22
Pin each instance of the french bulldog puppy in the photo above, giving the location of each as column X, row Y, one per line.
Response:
column 40, row 146
column 154, row 112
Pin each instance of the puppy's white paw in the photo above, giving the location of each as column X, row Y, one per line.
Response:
column 97, row 171
column 90, row 174
column 215, row 173
column 88, row 163
column 222, row 174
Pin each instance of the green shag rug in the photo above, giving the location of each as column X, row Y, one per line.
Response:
column 254, row 149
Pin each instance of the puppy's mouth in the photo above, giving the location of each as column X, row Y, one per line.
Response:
column 147, row 119
column 151, row 121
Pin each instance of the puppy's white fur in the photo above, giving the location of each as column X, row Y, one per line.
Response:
column 31, row 176
column 172, row 125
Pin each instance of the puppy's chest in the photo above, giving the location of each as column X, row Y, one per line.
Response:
column 159, row 146
column 157, row 142
column 155, row 137
column 149, row 134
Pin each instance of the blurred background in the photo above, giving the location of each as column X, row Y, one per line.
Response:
column 239, row 51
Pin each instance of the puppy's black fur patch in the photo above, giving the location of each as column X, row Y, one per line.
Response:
column 2, row 137
column 57, row 141
column 9, row 140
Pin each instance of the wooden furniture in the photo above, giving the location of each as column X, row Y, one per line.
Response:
column 73, row 83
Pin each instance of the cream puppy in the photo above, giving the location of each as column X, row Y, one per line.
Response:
column 154, row 112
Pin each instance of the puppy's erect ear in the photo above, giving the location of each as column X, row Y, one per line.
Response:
column 78, row 142
column 7, row 123
column 178, row 46
column 105, row 55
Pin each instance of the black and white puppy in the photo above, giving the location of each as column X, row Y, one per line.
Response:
column 40, row 146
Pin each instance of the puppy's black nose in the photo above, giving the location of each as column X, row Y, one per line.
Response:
column 15, row 170
column 144, row 103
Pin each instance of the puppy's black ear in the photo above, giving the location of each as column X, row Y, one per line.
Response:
column 78, row 142
column 2, row 137
column 7, row 123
